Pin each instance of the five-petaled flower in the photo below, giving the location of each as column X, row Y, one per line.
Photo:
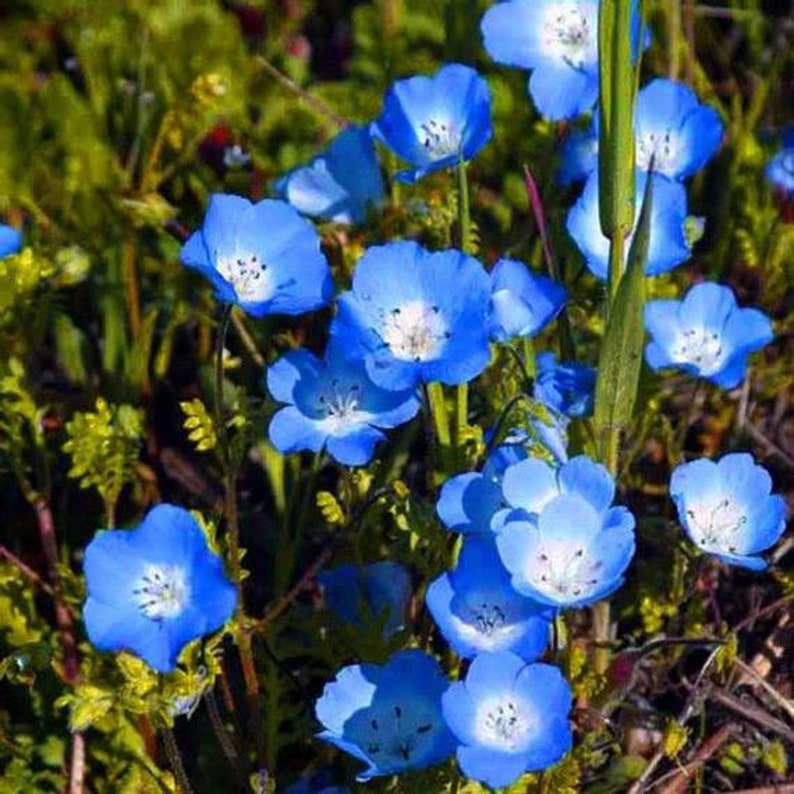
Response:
column 341, row 183
column 436, row 122
column 558, row 40
column 674, row 135
column 264, row 257
column 153, row 589
column 727, row 509
column 509, row 717
column 365, row 594
column 705, row 334
column 522, row 303
column 563, row 543
column 333, row 404
column 668, row 245
column 477, row 610
column 415, row 317
column 10, row 240
column 388, row 717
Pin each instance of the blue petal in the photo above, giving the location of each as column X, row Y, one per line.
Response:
column 284, row 374
column 353, row 689
column 292, row 431
column 707, row 305
column 111, row 630
column 492, row 674
column 588, row 479
column 562, row 92
column 668, row 245
column 747, row 330
column 491, row 767
column 579, row 156
column 10, row 240
column 512, row 32
column 530, row 484
column 355, row 447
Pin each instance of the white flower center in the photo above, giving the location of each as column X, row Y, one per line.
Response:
column 702, row 347
column 439, row 139
column 341, row 405
column 661, row 148
column 162, row 591
column 502, row 724
column 415, row 332
column 713, row 526
column 248, row 276
column 569, row 34
column 565, row 571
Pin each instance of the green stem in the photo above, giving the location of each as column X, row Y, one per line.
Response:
column 233, row 541
column 438, row 412
column 464, row 232
column 617, row 256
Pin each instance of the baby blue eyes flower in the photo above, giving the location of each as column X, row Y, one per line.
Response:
column 509, row 718
column 522, row 303
column 567, row 387
column 705, row 334
column 264, row 257
column 435, row 122
column 361, row 594
column 558, row 40
column 415, row 316
column 388, row 717
column 477, row 610
column 10, row 240
column 668, row 244
column 780, row 170
column 332, row 404
column 564, row 545
column 153, row 589
column 339, row 185
column 467, row 502
column 726, row 509
column 674, row 132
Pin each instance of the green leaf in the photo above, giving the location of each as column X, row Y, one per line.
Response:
column 621, row 353
column 616, row 109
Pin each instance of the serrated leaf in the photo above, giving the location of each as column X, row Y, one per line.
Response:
column 621, row 353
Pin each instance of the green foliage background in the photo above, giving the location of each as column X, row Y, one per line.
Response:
column 113, row 122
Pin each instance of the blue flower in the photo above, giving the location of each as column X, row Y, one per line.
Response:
column 153, row 589
column 435, row 122
column 339, row 185
column 332, row 404
column 558, row 40
column 415, row 316
column 668, row 245
column 705, row 334
column 726, row 508
column 468, row 502
column 361, row 594
column 780, row 169
column 477, row 610
column 522, row 303
column 10, row 240
column 673, row 131
column 567, row 387
column 510, row 718
column 388, row 717
column 563, row 544
column 263, row 257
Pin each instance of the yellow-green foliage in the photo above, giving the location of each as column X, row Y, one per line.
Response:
column 200, row 424
column 104, row 447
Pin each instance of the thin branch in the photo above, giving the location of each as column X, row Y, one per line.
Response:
column 25, row 570
column 752, row 713
column 318, row 104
